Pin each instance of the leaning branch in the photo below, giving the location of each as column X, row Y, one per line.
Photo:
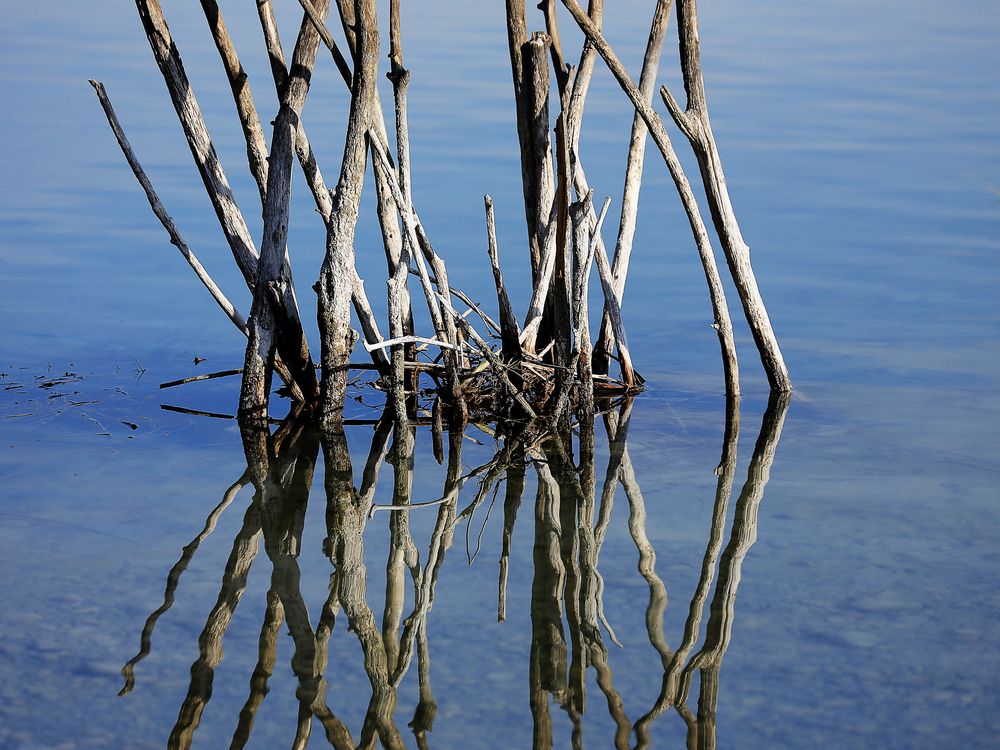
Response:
column 695, row 124
column 161, row 213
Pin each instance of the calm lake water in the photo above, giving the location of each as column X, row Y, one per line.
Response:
column 845, row 595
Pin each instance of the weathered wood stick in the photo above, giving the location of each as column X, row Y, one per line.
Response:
column 253, row 133
column 633, row 181
column 536, row 72
column 517, row 36
column 490, row 323
column 161, row 213
column 303, row 149
column 320, row 25
column 266, row 325
column 583, row 257
column 385, row 205
column 722, row 322
column 314, row 177
column 696, row 125
column 399, row 302
column 560, row 298
column 400, row 78
column 613, row 309
column 436, row 265
column 432, row 304
column 335, row 288
column 581, row 85
column 409, row 340
column 548, row 8
column 272, row 42
column 509, row 331
column 200, row 142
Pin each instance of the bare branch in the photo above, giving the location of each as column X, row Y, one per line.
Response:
column 722, row 324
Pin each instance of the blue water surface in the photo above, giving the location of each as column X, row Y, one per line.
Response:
column 862, row 153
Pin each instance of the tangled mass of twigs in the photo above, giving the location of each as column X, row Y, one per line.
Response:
column 549, row 364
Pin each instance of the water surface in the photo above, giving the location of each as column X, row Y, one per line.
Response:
column 862, row 154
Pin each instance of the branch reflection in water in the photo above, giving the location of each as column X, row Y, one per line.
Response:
column 568, row 626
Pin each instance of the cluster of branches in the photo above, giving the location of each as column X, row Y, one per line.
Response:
column 571, row 518
column 547, row 364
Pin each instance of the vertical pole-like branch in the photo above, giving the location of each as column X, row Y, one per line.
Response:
column 385, row 202
column 607, row 336
column 722, row 323
column 200, row 142
column 274, row 281
column 582, row 259
column 399, row 298
column 517, row 36
column 412, row 246
column 548, row 8
column 542, row 182
column 560, row 297
column 334, row 288
column 695, row 124
column 314, row 177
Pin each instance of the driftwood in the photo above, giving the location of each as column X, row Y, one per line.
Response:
column 547, row 362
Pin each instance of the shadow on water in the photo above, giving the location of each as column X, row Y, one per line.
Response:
column 572, row 514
